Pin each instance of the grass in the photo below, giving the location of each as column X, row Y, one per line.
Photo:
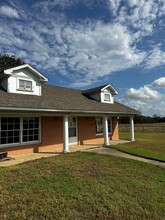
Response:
column 82, row 186
column 148, row 145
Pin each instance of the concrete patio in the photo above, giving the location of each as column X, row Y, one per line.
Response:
column 97, row 148
column 35, row 156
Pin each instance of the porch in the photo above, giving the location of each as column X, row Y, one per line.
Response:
column 34, row 156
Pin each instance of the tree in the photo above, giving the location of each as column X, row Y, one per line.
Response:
column 8, row 61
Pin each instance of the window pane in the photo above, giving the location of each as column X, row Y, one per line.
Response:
column 10, row 120
column 25, row 133
column 8, row 130
column 31, row 132
column 3, row 140
column 3, row 127
column 36, row 131
column 30, row 129
column 107, row 97
column 25, row 85
column 10, row 140
column 16, row 126
column 25, row 139
column 3, row 120
column 99, row 126
column 109, row 125
column 10, row 133
column 36, row 137
column 10, row 126
column 3, row 134
column 16, row 139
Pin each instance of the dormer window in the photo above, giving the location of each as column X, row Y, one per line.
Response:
column 25, row 85
column 107, row 97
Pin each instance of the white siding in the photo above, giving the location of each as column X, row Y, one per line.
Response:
column 107, row 91
column 13, row 82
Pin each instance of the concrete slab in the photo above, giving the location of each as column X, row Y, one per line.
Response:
column 116, row 153
column 84, row 148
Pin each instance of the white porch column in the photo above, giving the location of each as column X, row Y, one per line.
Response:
column 105, row 124
column 132, row 128
column 66, row 134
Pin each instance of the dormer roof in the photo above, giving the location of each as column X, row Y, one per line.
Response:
column 29, row 67
column 100, row 89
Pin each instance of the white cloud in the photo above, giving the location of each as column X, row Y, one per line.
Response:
column 141, row 15
column 9, row 12
column 84, row 51
column 88, row 51
column 143, row 93
column 159, row 83
column 114, row 5
column 48, row 5
column 95, row 50
column 147, row 99
column 155, row 58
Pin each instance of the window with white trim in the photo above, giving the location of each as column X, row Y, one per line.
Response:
column 25, row 85
column 99, row 126
column 107, row 97
column 15, row 130
column 30, row 129
column 9, row 130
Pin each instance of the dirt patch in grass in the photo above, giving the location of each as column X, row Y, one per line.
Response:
column 82, row 186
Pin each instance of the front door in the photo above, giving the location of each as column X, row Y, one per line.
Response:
column 72, row 130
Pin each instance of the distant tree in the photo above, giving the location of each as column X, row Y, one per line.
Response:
column 8, row 61
column 142, row 119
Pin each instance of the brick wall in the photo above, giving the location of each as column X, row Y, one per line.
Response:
column 115, row 129
column 87, row 131
column 52, row 138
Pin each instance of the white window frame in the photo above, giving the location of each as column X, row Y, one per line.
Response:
column 103, row 95
column 109, row 95
column 109, row 118
column 21, row 133
column 24, row 89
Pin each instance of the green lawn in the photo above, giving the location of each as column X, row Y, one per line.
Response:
column 82, row 186
column 149, row 145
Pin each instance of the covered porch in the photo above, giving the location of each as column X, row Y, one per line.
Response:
column 66, row 133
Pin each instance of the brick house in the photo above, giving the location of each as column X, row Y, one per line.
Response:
column 37, row 117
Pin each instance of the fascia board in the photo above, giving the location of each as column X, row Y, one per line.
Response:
column 10, row 71
column 111, row 88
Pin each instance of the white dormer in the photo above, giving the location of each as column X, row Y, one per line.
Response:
column 107, row 94
column 104, row 94
column 23, row 79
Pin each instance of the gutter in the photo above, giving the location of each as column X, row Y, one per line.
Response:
column 64, row 111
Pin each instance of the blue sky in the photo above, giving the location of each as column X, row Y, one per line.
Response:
column 87, row 43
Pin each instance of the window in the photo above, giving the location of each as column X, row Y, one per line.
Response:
column 19, row 130
column 9, row 130
column 99, row 126
column 107, row 97
column 25, row 85
column 30, row 129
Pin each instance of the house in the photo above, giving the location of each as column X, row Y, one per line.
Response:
column 37, row 117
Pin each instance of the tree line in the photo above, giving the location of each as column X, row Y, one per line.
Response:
column 143, row 119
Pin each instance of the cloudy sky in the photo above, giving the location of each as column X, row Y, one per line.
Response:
column 87, row 43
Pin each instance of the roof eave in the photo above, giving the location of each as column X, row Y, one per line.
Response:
column 115, row 92
column 67, row 111
column 10, row 71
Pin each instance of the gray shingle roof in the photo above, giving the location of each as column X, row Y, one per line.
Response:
column 61, row 99
column 93, row 90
